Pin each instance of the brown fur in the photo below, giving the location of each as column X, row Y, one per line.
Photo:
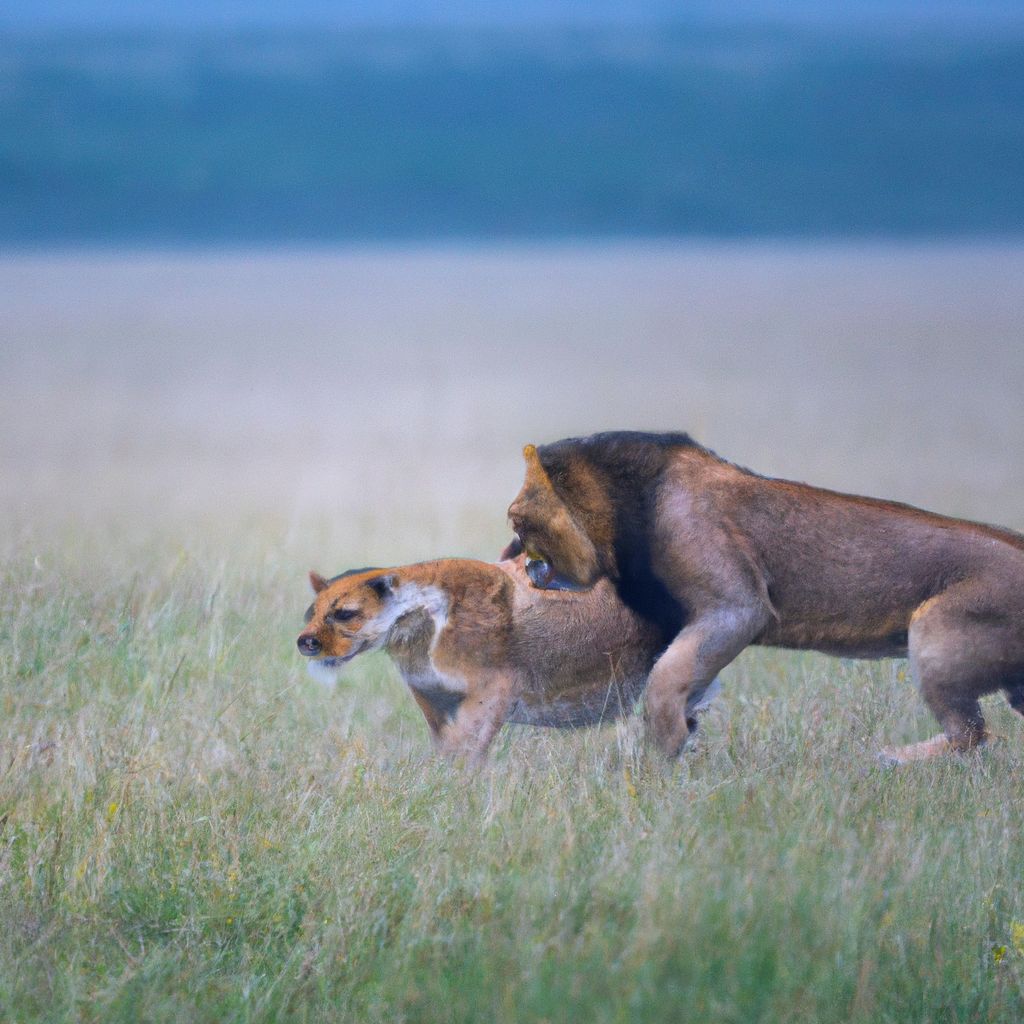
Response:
column 730, row 558
column 478, row 646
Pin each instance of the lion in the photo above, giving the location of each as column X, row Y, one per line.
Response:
column 478, row 646
column 722, row 558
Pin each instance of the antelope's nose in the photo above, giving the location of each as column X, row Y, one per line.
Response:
column 309, row 645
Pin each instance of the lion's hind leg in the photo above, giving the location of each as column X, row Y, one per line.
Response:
column 964, row 644
column 916, row 751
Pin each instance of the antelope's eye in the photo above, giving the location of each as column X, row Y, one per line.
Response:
column 541, row 574
column 343, row 614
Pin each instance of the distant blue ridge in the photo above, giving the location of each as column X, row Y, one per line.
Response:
column 176, row 137
column 462, row 13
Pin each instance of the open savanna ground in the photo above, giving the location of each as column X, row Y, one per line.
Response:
column 191, row 829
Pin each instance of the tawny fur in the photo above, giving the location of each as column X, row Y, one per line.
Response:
column 478, row 646
column 725, row 558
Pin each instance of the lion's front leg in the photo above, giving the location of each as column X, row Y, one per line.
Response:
column 469, row 733
column 689, row 666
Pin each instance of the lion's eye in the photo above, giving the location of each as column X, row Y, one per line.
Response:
column 343, row 614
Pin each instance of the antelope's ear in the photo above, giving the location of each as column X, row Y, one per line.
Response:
column 536, row 474
column 383, row 586
column 316, row 581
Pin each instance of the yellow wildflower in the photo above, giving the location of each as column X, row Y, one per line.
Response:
column 1017, row 935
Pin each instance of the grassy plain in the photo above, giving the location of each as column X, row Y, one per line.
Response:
column 191, row 829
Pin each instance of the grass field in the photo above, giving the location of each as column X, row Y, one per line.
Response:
column 191, row 829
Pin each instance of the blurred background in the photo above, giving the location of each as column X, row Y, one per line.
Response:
column 327, row 266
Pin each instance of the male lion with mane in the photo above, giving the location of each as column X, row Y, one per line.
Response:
column 722, row 558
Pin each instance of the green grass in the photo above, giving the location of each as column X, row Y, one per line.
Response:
column 192, row 830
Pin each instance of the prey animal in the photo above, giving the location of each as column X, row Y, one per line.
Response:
column 479, row 646
column 720, row 558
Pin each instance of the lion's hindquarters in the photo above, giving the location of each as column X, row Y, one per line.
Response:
column 965, row 643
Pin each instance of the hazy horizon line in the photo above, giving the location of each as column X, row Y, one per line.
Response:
column 469, row 14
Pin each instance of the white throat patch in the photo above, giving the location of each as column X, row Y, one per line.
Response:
column 325, row 671
column 408, row 598
column 412, row 597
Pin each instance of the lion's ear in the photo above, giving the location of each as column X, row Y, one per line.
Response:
column 536, row 474
column 316, row 581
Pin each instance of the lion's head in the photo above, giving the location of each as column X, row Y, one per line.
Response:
column 557, row 537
